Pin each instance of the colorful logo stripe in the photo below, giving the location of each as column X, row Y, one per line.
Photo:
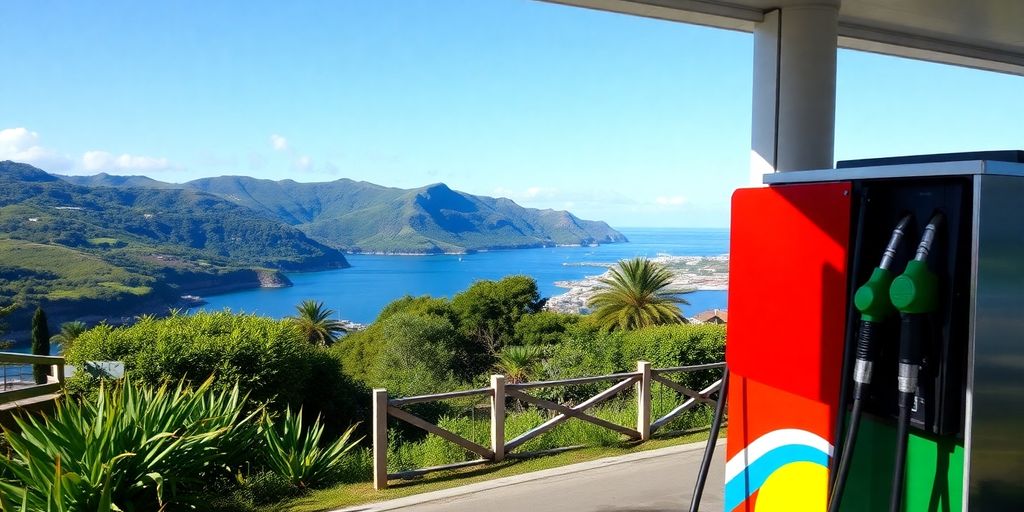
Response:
column 748, row 470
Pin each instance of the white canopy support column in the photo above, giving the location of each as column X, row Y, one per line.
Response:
column 794, row 100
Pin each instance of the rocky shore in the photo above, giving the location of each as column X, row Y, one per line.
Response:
column 690, row 273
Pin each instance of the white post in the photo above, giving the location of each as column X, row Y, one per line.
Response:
column 380, row 439
column 498, row 417
column 643, row 400
column 794, row 101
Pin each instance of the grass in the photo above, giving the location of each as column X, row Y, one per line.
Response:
column 351, row 494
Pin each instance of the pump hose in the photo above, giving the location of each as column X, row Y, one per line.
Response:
column 709, row 450
column 899, row 468
column 845, row 461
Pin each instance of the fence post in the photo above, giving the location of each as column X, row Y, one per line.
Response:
column 643, row 400
column 380, row 439
column 498, row 417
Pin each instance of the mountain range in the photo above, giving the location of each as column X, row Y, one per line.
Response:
column 100, row 246
column 357, row 216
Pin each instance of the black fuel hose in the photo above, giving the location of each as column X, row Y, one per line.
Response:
column 709, row 450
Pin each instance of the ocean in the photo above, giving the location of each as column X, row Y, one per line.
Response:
column 358, row 293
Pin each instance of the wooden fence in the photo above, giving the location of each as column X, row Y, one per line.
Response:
column 499, row 391
column 17, row 381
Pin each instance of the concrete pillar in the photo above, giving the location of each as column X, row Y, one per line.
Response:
column 498, row 417
column 643, row 400
column 380, row 439
column 794, row 101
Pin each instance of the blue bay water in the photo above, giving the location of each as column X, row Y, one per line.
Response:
column 358, row 293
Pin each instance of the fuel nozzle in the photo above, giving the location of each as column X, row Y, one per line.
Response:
column 874, row 304
column 915, row 294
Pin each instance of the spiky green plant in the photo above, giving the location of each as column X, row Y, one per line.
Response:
column 69, row 332
column 635, row 295
column 316, row 324
column 131, row 448
column 519, row 363
column 296, row 454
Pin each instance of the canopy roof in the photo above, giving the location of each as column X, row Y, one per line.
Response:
column 984, row 34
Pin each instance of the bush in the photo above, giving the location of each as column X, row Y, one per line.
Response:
column 267, row 358
column 543, row 328
column 264, row 488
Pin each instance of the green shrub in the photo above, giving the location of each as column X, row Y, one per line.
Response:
column 296, row 454
column 268, row 359
column 543, row 327
column 264, row 488
column 138, row 448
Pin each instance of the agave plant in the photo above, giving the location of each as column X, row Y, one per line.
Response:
column 519, row 363
column 132, row 448
column 297, row 455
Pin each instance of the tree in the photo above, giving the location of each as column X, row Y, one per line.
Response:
column 519, row 363
column 420, row 355
column 4, row 311
column 69, row 332
column 489, row 310
column 40, row 344
column 316, row 324
column 635, row 295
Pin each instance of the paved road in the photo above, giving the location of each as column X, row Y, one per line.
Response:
column 655, row 481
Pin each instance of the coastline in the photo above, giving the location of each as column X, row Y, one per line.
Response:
column 690, row 273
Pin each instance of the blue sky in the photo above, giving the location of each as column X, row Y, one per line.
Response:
column 635, row 121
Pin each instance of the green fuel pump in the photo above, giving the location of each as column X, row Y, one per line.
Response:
column 873, row 302
column 914, row 294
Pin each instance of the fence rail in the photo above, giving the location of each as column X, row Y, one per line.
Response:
column 18, row 379
column 499, row 391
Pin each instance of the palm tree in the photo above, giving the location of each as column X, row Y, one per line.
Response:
column 635, row 295
column 69, row 332
column 518, row 363
column 316, row 324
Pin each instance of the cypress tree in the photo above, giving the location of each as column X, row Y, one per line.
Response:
column 40, row 344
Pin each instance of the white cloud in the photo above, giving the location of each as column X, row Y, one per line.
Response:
column 104, row 161
column 670, row 200
column 278, row 142
column 21, row 145
column 304, row 163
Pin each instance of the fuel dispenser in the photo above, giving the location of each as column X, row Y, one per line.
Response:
column 876, row 338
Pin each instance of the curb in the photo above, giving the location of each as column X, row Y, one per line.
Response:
column 455, row 492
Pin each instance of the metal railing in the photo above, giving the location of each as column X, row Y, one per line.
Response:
column 642, row 380
column 18, row 380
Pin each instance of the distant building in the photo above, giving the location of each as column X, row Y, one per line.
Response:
column 712, row 316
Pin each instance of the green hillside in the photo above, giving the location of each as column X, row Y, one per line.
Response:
column 28, row 272
column 357, row 216
column 363, row 217
column 105, row 251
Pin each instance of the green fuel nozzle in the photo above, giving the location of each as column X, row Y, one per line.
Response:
column 873, row 302
column 915, row 294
